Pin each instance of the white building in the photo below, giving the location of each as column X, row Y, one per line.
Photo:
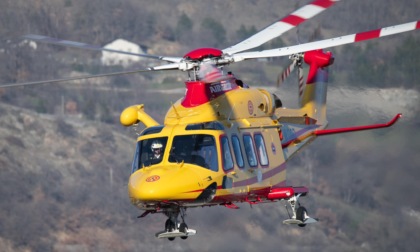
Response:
column 30, row 43
column 111, row 59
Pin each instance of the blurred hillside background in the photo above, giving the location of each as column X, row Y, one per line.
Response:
column 65, row 159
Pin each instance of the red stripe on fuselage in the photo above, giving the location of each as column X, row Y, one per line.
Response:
column 418, row 25
column 367, row 35
column 200, row 190
column 265, row 176
column 241, row 197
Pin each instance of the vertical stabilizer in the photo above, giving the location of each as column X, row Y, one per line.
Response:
column 314, row 96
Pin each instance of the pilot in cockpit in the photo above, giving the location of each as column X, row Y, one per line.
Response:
column 157, row 151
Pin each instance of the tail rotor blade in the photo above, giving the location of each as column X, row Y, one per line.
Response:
column 301, row 81
column 286, row 73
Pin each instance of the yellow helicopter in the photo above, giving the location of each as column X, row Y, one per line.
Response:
column 225, row 142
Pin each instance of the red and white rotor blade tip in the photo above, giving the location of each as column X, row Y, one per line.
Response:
column 322, row 44
column 281, row 26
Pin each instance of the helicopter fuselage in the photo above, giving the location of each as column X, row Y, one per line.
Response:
column 222, row 144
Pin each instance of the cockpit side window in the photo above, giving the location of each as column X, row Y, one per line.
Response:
column 135, row 164
column 198, row 149
column 149, row 152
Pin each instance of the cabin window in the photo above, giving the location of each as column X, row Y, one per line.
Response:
column 250, row 151
column 198, row 149
column 261, row 150
column 149, row 152
column 226, row 154
column 238, row 151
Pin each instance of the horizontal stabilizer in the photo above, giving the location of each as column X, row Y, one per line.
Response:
column 357, row 128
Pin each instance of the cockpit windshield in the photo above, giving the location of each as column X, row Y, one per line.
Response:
column 149, row 152
column 198, row 149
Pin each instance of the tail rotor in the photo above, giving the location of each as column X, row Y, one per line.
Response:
column 297, row 61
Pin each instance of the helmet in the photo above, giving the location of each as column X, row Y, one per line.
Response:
column 156, row 145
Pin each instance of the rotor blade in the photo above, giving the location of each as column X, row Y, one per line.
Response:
column 281, row 26
column 55, row 41
column 183, row 66
column 301, row 83
column 172, row 66
column 70, row 79
column 357, row 37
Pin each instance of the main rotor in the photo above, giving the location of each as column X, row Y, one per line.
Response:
column 195, row 60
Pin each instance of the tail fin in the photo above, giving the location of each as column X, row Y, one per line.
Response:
column 314, row 96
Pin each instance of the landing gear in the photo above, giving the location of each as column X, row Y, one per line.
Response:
column 302, row 215
column 174, row 228
column 183, row 228
column 299, row 215
column 169, row 225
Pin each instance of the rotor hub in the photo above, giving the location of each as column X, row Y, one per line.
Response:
column 202, row 53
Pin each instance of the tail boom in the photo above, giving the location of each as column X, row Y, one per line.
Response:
column 323, row 132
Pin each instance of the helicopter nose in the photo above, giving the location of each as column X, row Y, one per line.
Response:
column 166, row 183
